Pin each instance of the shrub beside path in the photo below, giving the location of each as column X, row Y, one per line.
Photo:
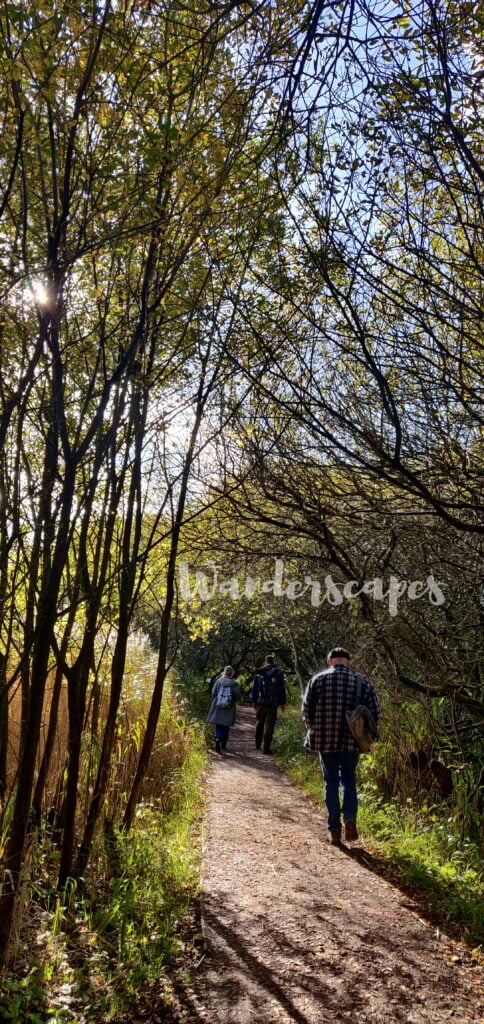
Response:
column 300, row 932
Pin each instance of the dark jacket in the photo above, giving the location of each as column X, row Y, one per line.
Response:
column 268, row 687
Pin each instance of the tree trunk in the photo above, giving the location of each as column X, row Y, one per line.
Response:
column 18, row 831
column 3, row 726
column 131, row 545
column 154, row 712
column 40, row 785
column 47, row 612
column 102, row 778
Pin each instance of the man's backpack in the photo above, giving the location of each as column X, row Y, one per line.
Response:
column 269, row 687
column 225, row 697
column 361, row 723
column 259, row 684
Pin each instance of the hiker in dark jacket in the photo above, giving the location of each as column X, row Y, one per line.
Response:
column 225, row 693
column 268, row 694
column 329, row 695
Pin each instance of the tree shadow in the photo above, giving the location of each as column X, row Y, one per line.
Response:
column 254, row 967
column 326, row 981
column 429, row 900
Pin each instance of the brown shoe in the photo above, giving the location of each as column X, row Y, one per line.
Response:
column 335, row 836
column 351, row 832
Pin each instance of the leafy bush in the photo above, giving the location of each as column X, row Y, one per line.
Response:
column 112, row 935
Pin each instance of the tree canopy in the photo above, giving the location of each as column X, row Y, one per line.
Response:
column 241, row 284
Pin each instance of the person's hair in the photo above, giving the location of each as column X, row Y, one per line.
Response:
column 229, row 671
column 270, row 660
column 338, row 652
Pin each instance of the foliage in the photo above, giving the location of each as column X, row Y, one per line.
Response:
column 100, row 947
column 195, row 692
column 344, row 543
column 368, row 338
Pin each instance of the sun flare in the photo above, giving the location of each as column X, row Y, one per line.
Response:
column 40, row 293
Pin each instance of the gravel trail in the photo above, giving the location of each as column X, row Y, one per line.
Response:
column 300, row 932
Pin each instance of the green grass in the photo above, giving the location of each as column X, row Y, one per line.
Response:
column 422, row 849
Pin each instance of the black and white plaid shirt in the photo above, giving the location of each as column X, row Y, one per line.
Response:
column 328, row 697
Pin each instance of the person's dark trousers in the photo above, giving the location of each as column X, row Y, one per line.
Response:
column 222, row 734
column 340, row 767
column 266, row 719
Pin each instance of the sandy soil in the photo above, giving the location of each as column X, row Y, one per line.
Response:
column 297, row 931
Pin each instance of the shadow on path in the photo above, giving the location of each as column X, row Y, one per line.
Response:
column 253, row 967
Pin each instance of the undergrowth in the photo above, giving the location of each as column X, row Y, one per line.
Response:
column 420, row 845
column 89, row 956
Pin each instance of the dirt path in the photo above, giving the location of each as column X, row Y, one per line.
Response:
column 299, row 931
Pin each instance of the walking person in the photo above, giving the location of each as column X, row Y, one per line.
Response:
column 329, row 695
column 225, row 693
column 268, row 694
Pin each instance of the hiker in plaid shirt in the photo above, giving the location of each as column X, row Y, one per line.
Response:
column 329, row 695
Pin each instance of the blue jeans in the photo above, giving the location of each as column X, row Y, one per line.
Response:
column 336, row 768
column 222, row 734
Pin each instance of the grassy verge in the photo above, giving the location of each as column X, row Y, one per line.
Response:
column 91, row 958
column 420, row 849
